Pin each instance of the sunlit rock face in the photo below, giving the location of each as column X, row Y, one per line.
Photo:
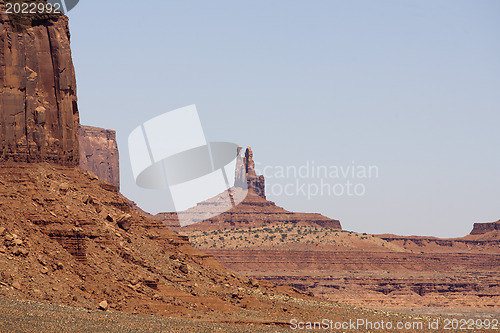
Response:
column 38, row 104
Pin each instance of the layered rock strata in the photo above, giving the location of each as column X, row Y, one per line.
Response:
column 483, row 228
column 38, row 103
column 377, row 279
column 99, row 153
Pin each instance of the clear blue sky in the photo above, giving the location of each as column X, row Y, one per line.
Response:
column 412, row 87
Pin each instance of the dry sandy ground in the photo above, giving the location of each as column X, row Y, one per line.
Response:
column 32, row 316
column 29, row 316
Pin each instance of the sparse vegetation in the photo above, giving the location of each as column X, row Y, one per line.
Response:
column 285, row 234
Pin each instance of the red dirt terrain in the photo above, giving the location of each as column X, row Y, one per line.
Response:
column 68, row 238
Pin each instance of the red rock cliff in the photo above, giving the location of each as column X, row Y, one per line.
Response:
column 38, row 103
column 482, row 228
column 99, row 153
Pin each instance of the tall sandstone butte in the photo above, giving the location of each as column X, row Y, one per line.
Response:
column 254, row 211
column 38, row 104
column 246, row 177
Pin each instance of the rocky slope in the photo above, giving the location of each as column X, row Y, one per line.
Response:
column 67, row 237
column 99, row 153
column 39, row 113
column 64, row 231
